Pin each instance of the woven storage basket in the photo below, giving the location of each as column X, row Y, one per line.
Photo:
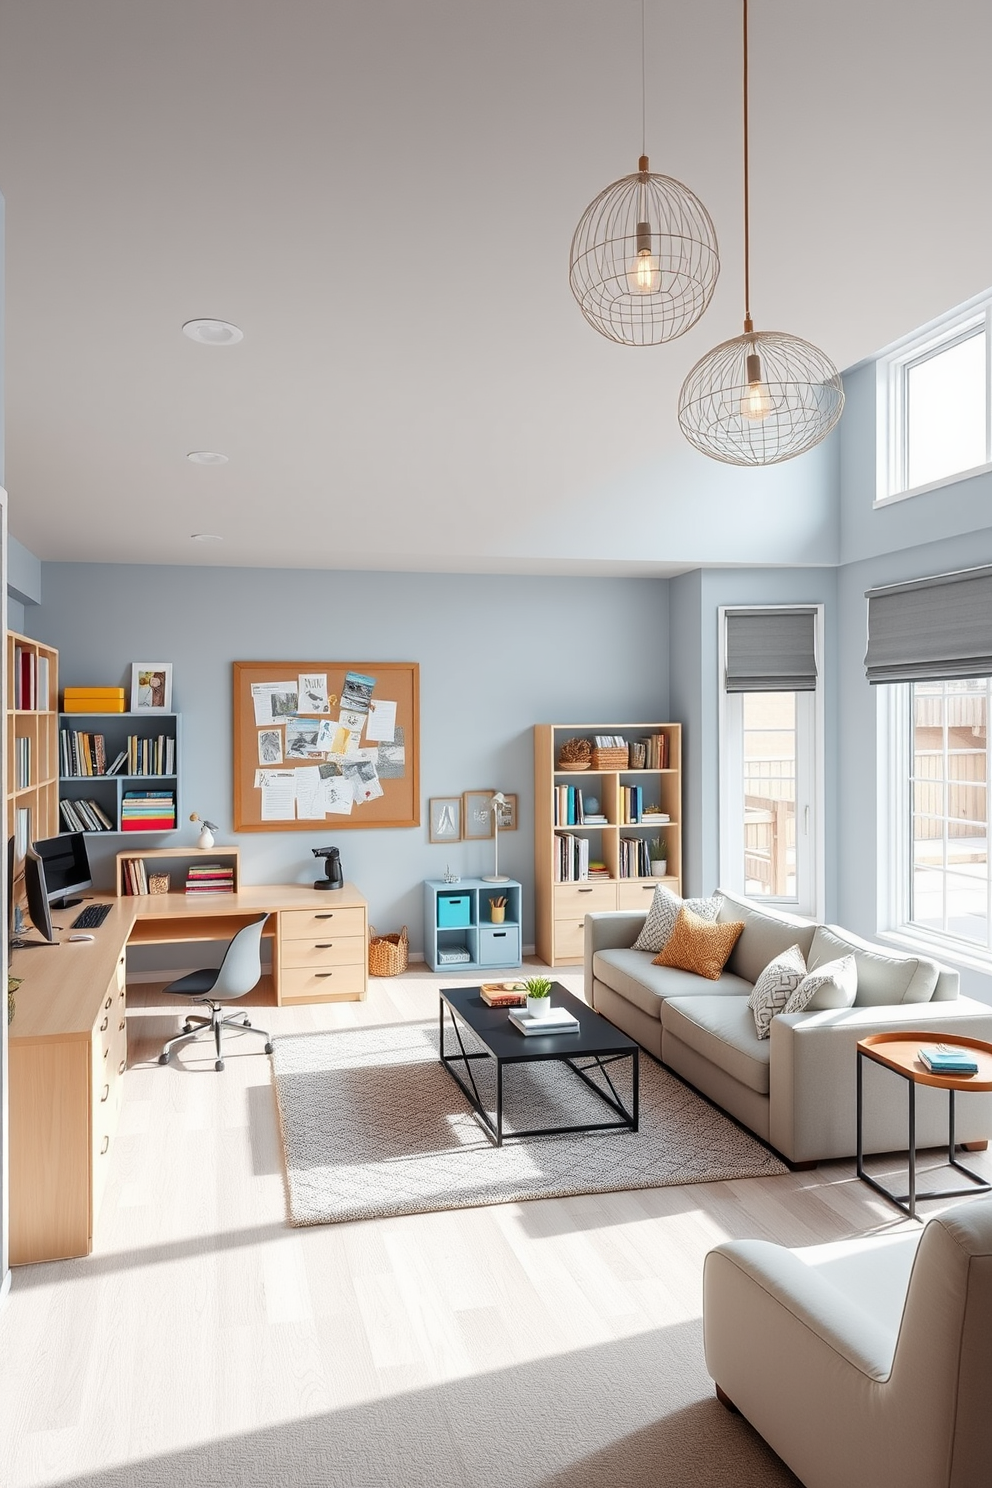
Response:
column 158, row 883
column 388, row 954
column 610, row 759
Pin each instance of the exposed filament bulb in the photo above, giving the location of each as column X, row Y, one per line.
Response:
column 756, row 404
column 644, row 273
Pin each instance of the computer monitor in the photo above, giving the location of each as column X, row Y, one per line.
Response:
column 67, row 867
column 38, row 907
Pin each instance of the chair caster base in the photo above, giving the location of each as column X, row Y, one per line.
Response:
column 268, row 1048
column 246, row 1024
column 187, row 1028
column 163, row 1059
column 218, row 1064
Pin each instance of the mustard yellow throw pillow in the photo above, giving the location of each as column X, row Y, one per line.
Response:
column 698, row 945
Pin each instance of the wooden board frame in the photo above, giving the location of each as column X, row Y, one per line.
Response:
column 396, row 681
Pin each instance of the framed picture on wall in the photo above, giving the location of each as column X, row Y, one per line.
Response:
column 151, row 687
column 508, row 814
column 477, row 815
column 446, row 818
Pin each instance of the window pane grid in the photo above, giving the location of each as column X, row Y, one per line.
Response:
column 769, row 780
column 950, row 886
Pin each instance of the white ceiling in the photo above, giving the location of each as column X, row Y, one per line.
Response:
column 382, row 193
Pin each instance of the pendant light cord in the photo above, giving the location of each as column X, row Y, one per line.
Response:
column 748, row 325
column 644, row 109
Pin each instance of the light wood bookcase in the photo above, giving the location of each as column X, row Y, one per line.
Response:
column 38, row 729
column 561, row 907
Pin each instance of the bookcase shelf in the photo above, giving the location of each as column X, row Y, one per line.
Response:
column 564, row 898
column 458, row 919
column 109, row 791
column 31, row 742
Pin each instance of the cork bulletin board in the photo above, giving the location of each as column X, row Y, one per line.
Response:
column 326, row 743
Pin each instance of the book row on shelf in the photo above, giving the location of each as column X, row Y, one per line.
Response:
column 148, row 811
column 634, row 858
column 84, row 816
column 569, row 809
column 209, row 878
column 571, row 858
column 22, row 762
column 134, row 876
column 82, row 753
column 30, row 680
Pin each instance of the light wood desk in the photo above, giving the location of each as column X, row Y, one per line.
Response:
column 68, row 1040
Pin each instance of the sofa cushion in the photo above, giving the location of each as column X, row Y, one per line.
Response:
column 663, row 913
column 885, row 977
column 697, row 945
column 631, row 974
column 832, row 985
column 721, row 1029
column 766, row 934
column 774, row 987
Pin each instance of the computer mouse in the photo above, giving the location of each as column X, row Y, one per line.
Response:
column 82, row 937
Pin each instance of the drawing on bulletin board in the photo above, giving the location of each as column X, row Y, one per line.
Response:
column 326, row 742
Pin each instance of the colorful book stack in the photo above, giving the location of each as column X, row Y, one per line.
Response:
column 148, row 811
column 209, row 878
column 93, row 700
column 134, row 876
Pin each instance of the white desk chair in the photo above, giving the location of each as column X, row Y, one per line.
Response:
column 236, row 975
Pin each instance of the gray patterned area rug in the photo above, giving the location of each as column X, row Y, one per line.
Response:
column 372, row 1125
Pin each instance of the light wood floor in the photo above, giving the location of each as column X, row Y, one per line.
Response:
column 203, row 1335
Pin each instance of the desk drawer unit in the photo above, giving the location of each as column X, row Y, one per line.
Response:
column 323, row 955
column 638, row 895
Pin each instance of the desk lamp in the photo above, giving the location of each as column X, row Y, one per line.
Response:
column 496, row 805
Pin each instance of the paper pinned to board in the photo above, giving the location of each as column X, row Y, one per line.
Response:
column 382, row 722
column 361, row 771
column 357, row 692
column 312, row 689
column 391, row 762
column 278, row 794
column 309, row 793
column 273, row 701
column 269, row 747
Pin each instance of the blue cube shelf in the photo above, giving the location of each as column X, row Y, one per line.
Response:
column 458, row 923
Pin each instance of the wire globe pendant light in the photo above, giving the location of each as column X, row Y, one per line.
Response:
column 765, row 396
column 644, row 260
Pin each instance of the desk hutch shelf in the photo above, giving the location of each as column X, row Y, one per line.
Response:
column 108, row 791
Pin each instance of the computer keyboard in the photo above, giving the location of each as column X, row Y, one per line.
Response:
column 92, row 916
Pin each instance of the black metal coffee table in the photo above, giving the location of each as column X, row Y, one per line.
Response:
column 592, row 1049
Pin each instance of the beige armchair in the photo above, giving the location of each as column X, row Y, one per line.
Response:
column 865, row 1362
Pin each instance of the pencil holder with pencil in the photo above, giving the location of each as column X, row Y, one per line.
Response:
column 497, row 909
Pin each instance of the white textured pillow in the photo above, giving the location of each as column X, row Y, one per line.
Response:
column 664, row 911
column 833, row 985
column 774, row 987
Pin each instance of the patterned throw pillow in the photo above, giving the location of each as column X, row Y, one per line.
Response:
column 699, row 945
column 774, row 987
column 833, row 985
column 664, row 912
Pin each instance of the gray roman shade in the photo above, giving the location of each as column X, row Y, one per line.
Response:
column 771, row 650
column 931, row 630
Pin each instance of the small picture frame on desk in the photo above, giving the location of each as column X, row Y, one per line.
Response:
column 151, row 687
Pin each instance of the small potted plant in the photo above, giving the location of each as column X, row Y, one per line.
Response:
column 658, row 850
column 538, row 996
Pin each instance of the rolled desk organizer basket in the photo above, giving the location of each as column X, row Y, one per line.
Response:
column 158, row 883
column 388, row 954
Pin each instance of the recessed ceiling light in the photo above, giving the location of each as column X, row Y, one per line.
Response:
column 207, row 457
column 206, row 537
column 213, row 332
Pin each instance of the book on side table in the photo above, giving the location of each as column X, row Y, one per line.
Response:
column 946, row 1059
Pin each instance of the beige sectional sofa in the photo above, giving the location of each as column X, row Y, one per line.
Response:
column 796, row 1089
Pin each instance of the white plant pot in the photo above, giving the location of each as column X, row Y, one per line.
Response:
column 539, row 1007
column 659, row 867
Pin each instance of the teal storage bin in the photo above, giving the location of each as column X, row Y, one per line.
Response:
column 453, row 911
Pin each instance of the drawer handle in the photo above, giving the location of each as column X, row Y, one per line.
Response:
column 108, row 1002
column 106, row 1092
column 122, row 1025
column 106, row 1053
column 329, row 916
column 324, row 945
column 122, row 1066
column 104, row 1024
column 586, row 891
column 106, row 1144
column 499, row 935
column 324, row 973
column 648, row 888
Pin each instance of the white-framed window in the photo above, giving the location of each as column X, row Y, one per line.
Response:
column 935, row 405
column 934, row 833
column 771, row 774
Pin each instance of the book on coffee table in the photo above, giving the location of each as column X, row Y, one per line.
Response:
column 503, row 994
column 559, row 1020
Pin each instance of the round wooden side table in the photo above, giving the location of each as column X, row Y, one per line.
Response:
column 900, row 1052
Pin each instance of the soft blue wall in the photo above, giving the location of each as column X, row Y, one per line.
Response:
column 496, row 654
